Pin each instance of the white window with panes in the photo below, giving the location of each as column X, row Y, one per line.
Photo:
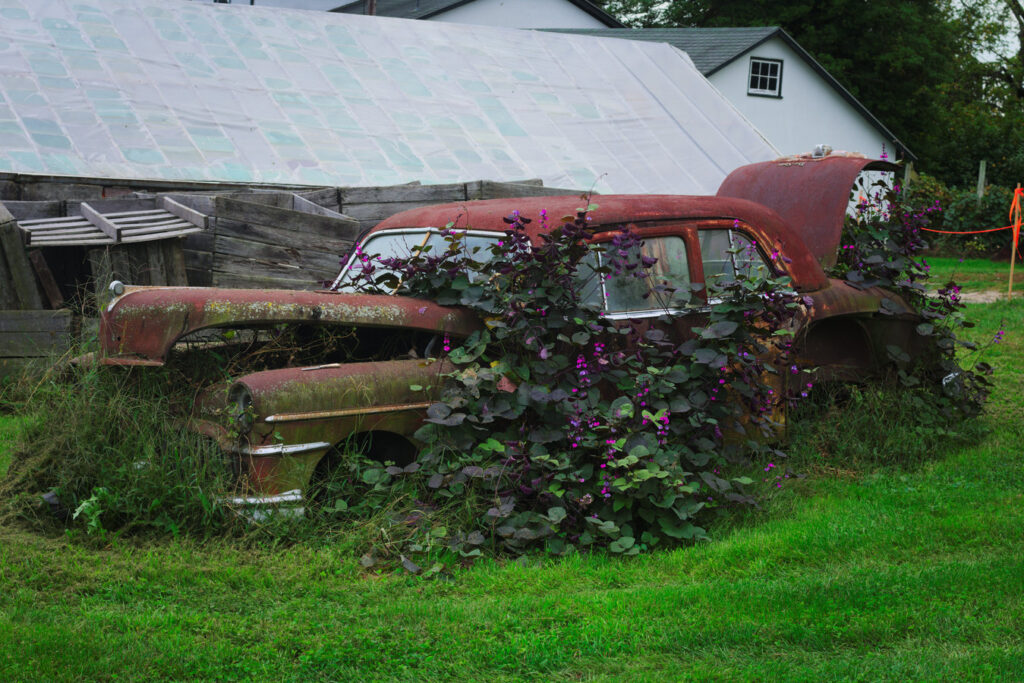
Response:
column 765, row 77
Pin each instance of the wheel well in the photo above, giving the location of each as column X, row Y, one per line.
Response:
column 839, row 342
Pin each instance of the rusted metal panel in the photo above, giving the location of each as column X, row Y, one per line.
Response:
column 840, row 298
column 145, row 322
column 811, row 195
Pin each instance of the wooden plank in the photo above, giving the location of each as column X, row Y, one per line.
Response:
column 302, row 277
column 198, row 260
column 157, row 269
column 304, row 258
column 305, row 206
column 280, row 200
column 489, row 189
column 8, row 295
column 427, row 194
column 175, row 223
column 62, row 222
column 276, row 237
column 34, row 210
column 49, row 190
column 109, row 206
column 33, row 344
column 9, row 190
column 251, row 281
column 121, row 266
column 328, row 197
column 286, row 219
column 184, row 212
column 71, row 241
column 22, row 277
column 35, row 321
column 379, row 211
column 101, row 222
column 199, row 241
column 120, row 216
column 86, row 229
column 135, row 238
column 46, row 279
column 174, row 258
column 204, row 204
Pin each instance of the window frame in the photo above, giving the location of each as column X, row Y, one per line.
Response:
column 758, row 92
column 687, row 233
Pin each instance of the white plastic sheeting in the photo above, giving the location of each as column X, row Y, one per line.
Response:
column 190, row 91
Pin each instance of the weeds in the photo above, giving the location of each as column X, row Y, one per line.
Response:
column 115, row 454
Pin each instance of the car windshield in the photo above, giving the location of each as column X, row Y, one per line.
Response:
column 405, row 243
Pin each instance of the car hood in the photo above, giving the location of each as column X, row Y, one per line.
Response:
column 140, row 326
column 811, row 195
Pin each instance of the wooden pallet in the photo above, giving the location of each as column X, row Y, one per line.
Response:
column 94, row 228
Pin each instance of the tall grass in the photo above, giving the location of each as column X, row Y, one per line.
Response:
column 113, row 449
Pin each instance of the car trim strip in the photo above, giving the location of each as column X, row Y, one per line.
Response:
column 346, row 412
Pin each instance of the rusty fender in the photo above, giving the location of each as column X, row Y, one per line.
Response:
column 299, row 414
column 840, row 299
column 305, row 404
column 140, row 326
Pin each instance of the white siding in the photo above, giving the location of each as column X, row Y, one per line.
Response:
column 810, row 111
column 521, row 14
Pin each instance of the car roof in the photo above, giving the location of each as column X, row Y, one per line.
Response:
column 612, row 211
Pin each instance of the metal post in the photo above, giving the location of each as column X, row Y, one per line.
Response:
column 1015, row 222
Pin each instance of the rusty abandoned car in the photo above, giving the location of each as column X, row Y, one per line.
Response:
column 360, row 387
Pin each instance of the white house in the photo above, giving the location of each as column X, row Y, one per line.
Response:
column 778, row 86
column 504, row 13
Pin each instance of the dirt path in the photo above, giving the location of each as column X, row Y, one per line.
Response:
column 988, row 296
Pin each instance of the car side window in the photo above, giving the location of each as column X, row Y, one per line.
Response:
column 725, row 253
column 625, row 292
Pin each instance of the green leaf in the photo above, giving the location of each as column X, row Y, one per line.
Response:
column 622, row 408
column 623, row 544
column 556, row 514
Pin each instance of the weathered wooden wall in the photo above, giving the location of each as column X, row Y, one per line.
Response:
column 32, row 335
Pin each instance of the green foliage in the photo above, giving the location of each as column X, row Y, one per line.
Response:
column 562, row 428
column 881, row 247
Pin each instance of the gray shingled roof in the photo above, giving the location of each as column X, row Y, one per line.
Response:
column 425, row 9
column 713, row 48
column 709, row 48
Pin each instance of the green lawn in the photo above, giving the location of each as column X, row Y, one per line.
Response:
column 975, row 275
column 865, row 574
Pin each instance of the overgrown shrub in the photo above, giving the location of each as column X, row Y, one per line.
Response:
column 960, row 210
column 882, row 247
column 567, row 429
